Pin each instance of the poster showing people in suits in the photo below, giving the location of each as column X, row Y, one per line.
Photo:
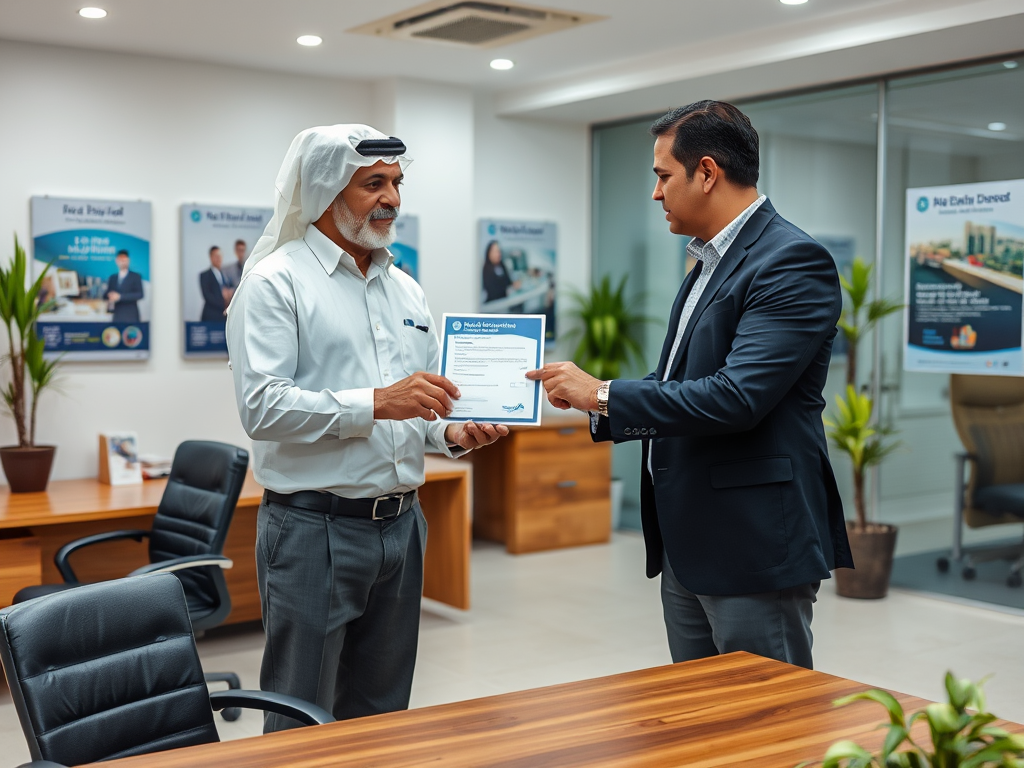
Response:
column 215, row 242
column 517, row 269
column 964, row 263
column 99, row 276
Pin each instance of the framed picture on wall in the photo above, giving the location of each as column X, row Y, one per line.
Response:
column 99, row 276
column 518, row 269
column 215, row 242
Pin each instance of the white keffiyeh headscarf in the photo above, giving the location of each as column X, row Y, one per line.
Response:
column 319, row 164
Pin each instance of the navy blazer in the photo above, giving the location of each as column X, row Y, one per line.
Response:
column 126, row 309
column 743, row 498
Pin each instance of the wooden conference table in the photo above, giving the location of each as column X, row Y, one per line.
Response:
column 734, row 710
column 33, row 526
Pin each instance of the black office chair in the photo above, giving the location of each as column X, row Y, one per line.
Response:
column 187, row 537
column 111, row 670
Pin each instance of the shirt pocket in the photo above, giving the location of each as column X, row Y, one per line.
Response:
column 416, row 346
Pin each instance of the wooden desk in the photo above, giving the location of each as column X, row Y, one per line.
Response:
column 33, row 526
column 544, row 487
column 735, row 710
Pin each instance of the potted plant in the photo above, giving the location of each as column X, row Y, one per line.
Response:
column 608, row 327
column 960, row 738
column 851, row 431
column 26, row 464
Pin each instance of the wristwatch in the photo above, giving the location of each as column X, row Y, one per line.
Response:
column 602, row 397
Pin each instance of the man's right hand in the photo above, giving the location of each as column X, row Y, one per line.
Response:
column 422, row 395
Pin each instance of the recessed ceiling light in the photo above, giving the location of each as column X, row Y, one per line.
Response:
column 997, row 126
column 792, row 2
column 1011, row 64
column 309, row 40
column 92, row 13
column 502, row 64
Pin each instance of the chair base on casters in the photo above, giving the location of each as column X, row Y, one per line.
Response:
column 234, row 684
column 969, row 558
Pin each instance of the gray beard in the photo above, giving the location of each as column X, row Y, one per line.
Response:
column 360, row 231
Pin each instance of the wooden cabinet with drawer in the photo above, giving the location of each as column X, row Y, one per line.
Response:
column 543, row 487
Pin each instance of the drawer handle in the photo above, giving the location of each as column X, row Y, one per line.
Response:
column 567, row 431
column 567, row 484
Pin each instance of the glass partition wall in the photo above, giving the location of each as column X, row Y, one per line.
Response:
column 819, row 162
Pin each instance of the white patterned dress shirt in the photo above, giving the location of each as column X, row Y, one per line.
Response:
column 309, row 339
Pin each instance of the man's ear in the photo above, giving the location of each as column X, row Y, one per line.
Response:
column 709, row 171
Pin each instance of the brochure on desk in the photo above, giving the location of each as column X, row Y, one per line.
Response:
column 487, row 357
column 98, row 277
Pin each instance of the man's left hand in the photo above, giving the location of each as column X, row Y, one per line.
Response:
column 470, row 435
column 567, row 386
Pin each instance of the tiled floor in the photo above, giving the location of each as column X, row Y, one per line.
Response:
column 559, row 616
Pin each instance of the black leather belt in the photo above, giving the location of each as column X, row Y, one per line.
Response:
column 380, row 508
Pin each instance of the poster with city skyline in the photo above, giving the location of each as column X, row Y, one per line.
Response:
column 965, row 278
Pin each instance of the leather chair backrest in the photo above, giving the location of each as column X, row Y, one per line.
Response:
column 106, row 670
column 196, row 509
column 988, row 413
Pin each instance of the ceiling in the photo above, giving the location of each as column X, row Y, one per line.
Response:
column 262, row 33
column 647, row 54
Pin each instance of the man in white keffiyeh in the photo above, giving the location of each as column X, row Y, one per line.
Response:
column 333, row 358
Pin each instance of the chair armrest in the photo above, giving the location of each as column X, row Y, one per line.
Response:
column 182, row 563
column 61, row 558
column 278, row 703
column 42, row 764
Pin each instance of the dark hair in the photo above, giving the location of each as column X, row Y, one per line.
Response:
column 214, row 248
column 122, row 252
column 239, row 242
column 713, row 129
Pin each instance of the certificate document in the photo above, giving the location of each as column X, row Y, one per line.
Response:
column 487, row 357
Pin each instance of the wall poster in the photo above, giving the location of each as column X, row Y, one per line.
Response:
column 406, row 248
column 215, row 241
column 98, row 252
column 518, row 262
column 964, row 278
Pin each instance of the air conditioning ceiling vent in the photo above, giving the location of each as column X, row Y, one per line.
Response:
column 476, row 24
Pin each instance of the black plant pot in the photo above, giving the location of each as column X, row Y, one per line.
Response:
column 872, row 550
column 27, row 469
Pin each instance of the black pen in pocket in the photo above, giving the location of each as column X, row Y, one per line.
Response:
column 411, row 324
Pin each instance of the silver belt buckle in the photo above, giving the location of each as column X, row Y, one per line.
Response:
column 399, row 496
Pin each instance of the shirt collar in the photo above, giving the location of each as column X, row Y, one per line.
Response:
column 331, row 256
column 713, row 250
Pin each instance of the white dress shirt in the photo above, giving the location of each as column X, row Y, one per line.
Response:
column 309, row 339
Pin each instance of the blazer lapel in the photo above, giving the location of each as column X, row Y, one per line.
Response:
column 673, row 322
column 731, row 259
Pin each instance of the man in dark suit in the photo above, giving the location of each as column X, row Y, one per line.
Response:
column 124, row 291
column 740, row 509
column 216, row 291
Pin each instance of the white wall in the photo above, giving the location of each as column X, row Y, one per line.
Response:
column 528, row 169
column 91, row 124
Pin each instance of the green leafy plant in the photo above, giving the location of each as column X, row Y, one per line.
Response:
column 608, row 329
column 853, row 326
column 960, row 738
column 31, row 372
column 850, row 431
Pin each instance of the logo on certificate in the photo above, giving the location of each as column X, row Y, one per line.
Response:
column 456, row 325
column 510, row 409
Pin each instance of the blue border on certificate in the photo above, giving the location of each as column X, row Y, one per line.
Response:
column 531, row 326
